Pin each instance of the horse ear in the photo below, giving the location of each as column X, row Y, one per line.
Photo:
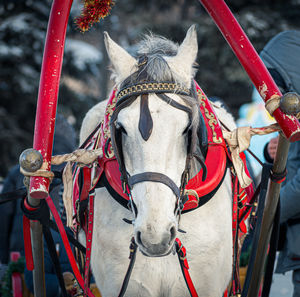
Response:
column 182, row 63
column 123, row 63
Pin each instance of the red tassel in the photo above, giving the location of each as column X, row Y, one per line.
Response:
column 93, row 11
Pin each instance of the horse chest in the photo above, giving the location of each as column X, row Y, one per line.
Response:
column 162, row 276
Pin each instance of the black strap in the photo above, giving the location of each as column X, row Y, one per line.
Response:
column 116, row 136
column 260, row 209
column 154, row 177
column 132, row 256
column 174, row 103
column 90, row 136
column 52, row 252
column 70, row 236
column 145, row 121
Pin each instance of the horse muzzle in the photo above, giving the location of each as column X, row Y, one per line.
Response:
column 156, row 249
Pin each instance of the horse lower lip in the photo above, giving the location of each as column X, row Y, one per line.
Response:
column 147, row 251
column 155, row 256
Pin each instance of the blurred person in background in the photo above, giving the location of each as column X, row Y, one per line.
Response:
column 281, row 55
column 11, row 222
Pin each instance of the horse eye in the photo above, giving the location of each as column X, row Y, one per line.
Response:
column 188, row 127
column 121, row 128
column 186, row 130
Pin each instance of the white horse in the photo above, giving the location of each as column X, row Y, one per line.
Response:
column 208, row 237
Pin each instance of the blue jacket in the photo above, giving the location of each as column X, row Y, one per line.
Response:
column 11, row 222
column 289, row 258
column 281, row 55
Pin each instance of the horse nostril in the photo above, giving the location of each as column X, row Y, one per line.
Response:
column 173, row 233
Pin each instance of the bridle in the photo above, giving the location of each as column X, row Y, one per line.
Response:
column 125, row 97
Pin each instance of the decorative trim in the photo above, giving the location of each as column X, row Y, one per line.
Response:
column 109, row 153
column 152, row 87
column 212, row 121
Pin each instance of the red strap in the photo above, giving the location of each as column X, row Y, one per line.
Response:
column 235, row 207
column 86, row 183
column 89, row 237
column 181, row 252
column 27, row 243
column 67, row 244
column 235, row 286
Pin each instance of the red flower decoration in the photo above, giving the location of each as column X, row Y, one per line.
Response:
column 93, row 12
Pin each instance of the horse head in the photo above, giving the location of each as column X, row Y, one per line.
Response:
column 153, row 132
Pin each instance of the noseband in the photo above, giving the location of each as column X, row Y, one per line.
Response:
column 125, row 97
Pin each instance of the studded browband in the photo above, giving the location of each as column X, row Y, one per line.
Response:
column 151, row 87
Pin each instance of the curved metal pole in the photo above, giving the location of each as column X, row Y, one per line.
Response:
column 45, row 124
column 268, row 218
column 290, row 126
column 48, row 91
column 39, row 284
column 250, row 60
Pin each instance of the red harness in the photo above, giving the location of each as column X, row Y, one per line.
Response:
column 215, row 159
column 216, row 163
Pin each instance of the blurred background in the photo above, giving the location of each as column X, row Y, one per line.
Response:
column 85, row 77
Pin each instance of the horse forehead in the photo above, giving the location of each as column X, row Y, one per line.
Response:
column 159, row 109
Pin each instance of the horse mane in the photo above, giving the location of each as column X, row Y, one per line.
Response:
column 158, row 49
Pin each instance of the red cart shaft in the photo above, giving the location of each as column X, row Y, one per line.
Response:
column 250, row 60
column 48, row 91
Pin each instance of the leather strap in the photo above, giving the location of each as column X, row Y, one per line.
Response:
column 55, row 260
column 145, row 121
column 132, row 256
column 173, row 103
column 67, row 245
column 181, row 253
column 235, row 282
column 86, row 183
column 150, row 87
column 116, row 137
column 154, row 177
column 89, row 237
column 70, row 236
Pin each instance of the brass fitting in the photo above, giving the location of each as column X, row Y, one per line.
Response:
column 31, row 160
column 290, row 103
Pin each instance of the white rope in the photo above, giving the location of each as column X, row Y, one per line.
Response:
column 238, row 141
column 80, row 156
column 272, row 104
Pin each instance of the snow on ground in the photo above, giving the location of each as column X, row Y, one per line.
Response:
column 282, row 285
